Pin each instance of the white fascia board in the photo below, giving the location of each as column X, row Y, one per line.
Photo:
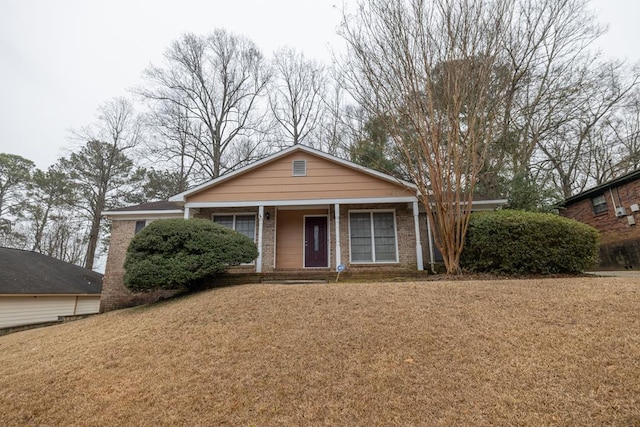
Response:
column 252, row 203
column 181, row 198
column 481, row 204
column 122, row 215
column 496, row 202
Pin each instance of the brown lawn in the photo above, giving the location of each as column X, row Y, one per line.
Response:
column 512, row 352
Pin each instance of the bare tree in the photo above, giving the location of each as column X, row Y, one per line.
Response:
column 101, row 170
column 208, row 90
column 550, row 67
column 618, row 140
column 295, row 97
column 569, row 147
column 173, row 143
column 429, row 67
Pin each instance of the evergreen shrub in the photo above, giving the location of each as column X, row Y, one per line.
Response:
column 519, row 242
column 177, row 253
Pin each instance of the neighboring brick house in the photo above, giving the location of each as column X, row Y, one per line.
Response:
column 613, row 209
column 308, row 213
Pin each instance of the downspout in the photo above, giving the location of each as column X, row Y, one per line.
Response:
column 416, row 223
column 338, row 246
column 431, row 254
column 613, row 200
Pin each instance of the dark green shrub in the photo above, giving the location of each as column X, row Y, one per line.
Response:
column 518, row 242
column 176, row 253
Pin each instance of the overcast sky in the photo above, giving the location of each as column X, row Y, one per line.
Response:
column 59, row 59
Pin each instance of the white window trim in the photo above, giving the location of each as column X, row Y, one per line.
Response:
column 594, row 206
column 234, row 214
column 255, row 227
column 373, row 246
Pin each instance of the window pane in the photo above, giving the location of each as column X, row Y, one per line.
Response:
column 226, row 220
column 140, row 225
column 599, row 204
column 360, row 229
column 245, row 224
column 384, row 236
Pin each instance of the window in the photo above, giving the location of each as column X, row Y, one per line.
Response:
column 243, row 224
column 599, row 204
column 299, row 168
column 140, row 225
column 373, row 236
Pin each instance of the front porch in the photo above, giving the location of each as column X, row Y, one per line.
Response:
column 366, row 236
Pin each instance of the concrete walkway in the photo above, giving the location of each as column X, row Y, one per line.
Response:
column 620, row 273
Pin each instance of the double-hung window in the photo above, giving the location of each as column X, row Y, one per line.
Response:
column 242, row 223
column 599, row 204
column 372, row 236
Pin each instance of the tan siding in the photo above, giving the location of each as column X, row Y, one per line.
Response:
column 87, row 305
column 324, row 180
column 25, row 310
column 289, row 239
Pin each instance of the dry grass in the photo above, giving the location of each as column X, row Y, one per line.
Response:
column 527, row 352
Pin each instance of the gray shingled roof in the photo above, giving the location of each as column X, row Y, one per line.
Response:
column 594, row 191
column 25, row 272
column 162, row 205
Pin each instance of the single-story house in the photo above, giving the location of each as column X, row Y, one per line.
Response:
column 612, row 208
column 307, row 211
column 38, row 289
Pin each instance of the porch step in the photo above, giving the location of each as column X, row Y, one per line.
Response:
column 295, row 281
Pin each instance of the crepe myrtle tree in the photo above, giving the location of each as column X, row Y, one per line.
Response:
column 178, row 253
column 429, row 69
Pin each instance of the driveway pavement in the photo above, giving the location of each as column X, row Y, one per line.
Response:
column 620, row 273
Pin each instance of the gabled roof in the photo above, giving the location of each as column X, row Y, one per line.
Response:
column 597, row 190
column 181, row 198
column 25, row 272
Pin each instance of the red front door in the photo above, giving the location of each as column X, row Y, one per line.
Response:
column 315, row 241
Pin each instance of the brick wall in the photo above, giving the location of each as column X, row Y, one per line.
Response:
column 114, row 293
column 619, row 239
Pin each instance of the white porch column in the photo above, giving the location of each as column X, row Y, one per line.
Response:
column 338, row 249
column 187, row 212
column 260, row 231
column 416, row 223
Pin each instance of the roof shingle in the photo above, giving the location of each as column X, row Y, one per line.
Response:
column 25, row 272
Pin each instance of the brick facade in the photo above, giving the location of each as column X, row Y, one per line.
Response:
column 114, row 294
column 620, row 237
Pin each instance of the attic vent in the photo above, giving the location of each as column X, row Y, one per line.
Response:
column 299, row 168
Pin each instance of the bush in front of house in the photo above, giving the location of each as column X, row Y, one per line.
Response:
column 177, row 253
column 519, row 242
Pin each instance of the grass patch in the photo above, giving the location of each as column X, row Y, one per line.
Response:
column 509, row 352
